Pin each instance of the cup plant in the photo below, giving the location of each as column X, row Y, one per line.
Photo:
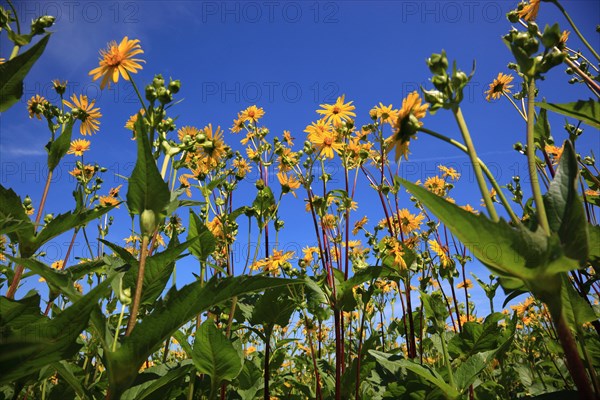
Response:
column 376, row 307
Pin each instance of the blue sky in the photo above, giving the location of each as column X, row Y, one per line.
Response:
column 287, row 57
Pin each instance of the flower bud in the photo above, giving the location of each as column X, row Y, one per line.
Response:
column 151, row 93
column 260, row 184
column 438, row 63
column 158, row 81
column 174, row 86
column 148, row 222
column 39, row 24
column 164, row 96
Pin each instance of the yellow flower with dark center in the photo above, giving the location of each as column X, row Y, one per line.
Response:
column 79, row 146
column 338, row 112
column 501, row 85
column 251, row 114
column 84, row 110
column 530, row 11
column 114, row 192
column 435, row 185
column 404, row 220
column 214, row 147
column 86, row 174
column 287, row 160
column 397, row 251
column 407, row 123
column 242, row 167
column 288, row 183
column 36, row 106
column 238, row 124
column 329, row 221
column 107, row 201
column 385, row 113
column 117, row 60
column 323, row 138
column 190, row 131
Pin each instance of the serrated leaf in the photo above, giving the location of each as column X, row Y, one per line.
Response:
column 577, row 311
column 587, row 111
column 275, row 306
column 147, row 190
column 13, row 72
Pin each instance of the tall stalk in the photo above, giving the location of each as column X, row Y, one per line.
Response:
column 138, row 287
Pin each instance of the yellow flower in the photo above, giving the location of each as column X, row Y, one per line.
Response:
column 84, row 111
column 242, row 167
column 329, row 221
column 501, row 85
column 323, row 138
column 404, row 220
column 338, row 112
column 385, row 113
column 190, row 131
column 466, row 283
column 435, row 185
column 249, row 350
column 87, row 173
column 214, row 147
column 59, row 265
column 117, row 60
column 448, row 172
column 238, row 124
column 108, row 201
column 530, row 11
column 358, row 225
column 114, row 192
column 470, row 209
column 563, row 39
column 36, row 106
column 397, row 251
column 288, row 183
column 273, row 263
column 555, row 152
column 287, row 160
column 251, row 114
column 78, row 146
column 130, row 124
column 441, row 252
column 287, row 137
column 405, row 126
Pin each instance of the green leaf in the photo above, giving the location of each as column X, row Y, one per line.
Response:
column 215, row 356
column 275, row 306
column 159, row 382
column 515, row 253
column 541, row 130
column 577, row 311
column 13, row 220
column 345, row 295
column 43, row 342
column 430, row 376
column 467, row 372
column 13, row 72
column 594, row 244
column 147, row 190
column 205, row 245
column 169, row 315
column 59, row 147
column 564, row 207
column 587, row 111
column 264, row 206
column 159, row 268
column 477, row 337
column 65, row 370
column 435, row 310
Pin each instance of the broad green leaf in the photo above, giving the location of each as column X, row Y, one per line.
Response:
column 430, row 376
column 587, row 111
column 477, row 337
column 577, row 311
column 169, row 315
column 275, row 306
column 59, row 225
column 19, row 313
column 13, row 220
column 205, row 245
column 435, row 310
column 160, row 381
column 29, row 348
column 59, row 147
column 594, row 244
column 467, row 371
column 65, row 370
column 147, row 190
column 13, row 72
column 564, row 207
column 215, row 356
column 515, row 253
column 158, row 270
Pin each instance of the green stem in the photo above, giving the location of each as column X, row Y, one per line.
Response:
column 138, row 287
column 485, row 169
column 531, row 163
column 585, row 42
column 447, row 361
column 475, row 162
column 114, row 345
column 137, row 92
column 165, row 165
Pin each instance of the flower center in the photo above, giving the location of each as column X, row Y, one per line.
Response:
column 336, row 110
column 328, row 141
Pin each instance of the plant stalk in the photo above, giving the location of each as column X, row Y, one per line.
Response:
column 138, row 287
